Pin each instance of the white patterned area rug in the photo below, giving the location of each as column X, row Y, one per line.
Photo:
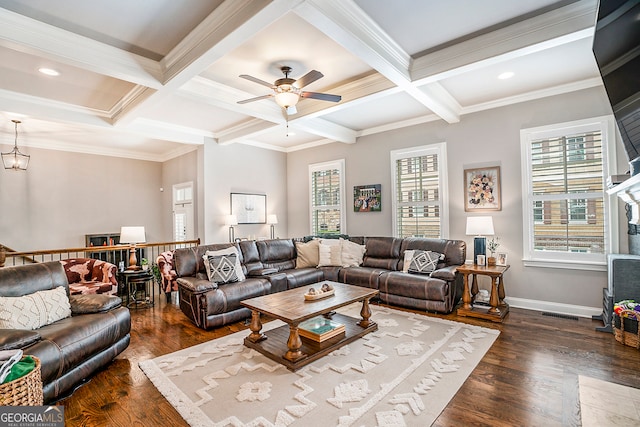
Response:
column 404, row 374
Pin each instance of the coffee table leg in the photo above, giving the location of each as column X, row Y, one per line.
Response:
column 365, row 313
column 294, row 343
column 255, row 327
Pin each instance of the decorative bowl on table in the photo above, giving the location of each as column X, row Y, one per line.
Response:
column 325, row 291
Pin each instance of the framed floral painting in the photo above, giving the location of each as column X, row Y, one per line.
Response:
column 482, row 189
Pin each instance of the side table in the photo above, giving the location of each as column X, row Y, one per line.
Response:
column 497, row 308
column 138, row 288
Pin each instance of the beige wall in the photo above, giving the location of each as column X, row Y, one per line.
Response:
column 486, row 138
column 177, row 171
column 240, row 168
column 63, row 196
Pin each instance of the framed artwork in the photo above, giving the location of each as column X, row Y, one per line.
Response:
column 501, row 258
column 367, row 198
column 482, row 189
column 249, row 208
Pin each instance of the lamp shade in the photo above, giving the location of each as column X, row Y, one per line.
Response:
column 231, row 220
column 272, row 219
column 132, row 234
column 480, row 226
column 287, row 99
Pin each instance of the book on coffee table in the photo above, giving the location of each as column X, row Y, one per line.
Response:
column 320, row 329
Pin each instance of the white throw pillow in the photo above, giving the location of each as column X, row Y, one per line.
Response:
column 237, row 271
column 308, row 254
column 330, row 253
column 408, row 256
column 34, row 310
column 352, row 253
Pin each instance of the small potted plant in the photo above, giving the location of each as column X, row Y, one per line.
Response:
column 144, row 263
column 492, row 245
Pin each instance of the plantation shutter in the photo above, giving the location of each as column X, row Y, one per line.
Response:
column 567, row 176
column 418, row 201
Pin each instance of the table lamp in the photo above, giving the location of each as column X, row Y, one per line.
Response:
column 479, row 226
column 273, row 220
column 132, row 235
column 231, row 221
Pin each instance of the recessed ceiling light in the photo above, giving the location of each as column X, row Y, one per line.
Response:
column 49, row 71
column 506, row 75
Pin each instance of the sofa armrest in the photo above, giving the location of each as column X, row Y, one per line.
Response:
column 93, row 303
column 195, row 285
column 261, row 272
column 11, row 339
column 445, row 273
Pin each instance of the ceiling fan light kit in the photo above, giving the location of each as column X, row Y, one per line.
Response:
column 287, row 91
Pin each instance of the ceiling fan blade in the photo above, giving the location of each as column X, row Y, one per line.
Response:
column 308, row 78
column 257, row 98
column 257, row 80
column 321, row 96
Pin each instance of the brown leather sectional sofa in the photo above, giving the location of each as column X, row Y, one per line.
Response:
column 73, row 348
column 270, row 266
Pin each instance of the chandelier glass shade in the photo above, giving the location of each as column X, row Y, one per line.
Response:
column 14, row 159
column 287, row 95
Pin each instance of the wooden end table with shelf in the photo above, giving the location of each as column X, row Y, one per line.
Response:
column 497, row 309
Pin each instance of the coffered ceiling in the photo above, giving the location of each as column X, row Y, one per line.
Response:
column 153, row 79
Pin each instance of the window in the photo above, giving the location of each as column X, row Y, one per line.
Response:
column 327, row 197
column 419, row 191
column 183, row 219
column 566, row 211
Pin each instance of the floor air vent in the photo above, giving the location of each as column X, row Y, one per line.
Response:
column 561, row 316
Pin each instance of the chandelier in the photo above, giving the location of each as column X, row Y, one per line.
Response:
column 14, row 159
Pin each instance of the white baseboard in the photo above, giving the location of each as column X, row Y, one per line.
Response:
column 554, row 307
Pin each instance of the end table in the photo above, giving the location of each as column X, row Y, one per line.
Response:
column 497, row 308
column 135, row 282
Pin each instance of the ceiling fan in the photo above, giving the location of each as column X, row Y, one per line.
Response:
column 288, row 91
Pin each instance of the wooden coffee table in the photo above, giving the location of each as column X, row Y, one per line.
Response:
column 284, row 344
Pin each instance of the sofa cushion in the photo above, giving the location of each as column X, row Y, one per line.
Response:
column 223, row 266
column 84, row 304
column 416, row 286
column 382, row 252
column 34, row 310
column 307, row 254
column 277, row 253
column 303, row 276
column 11, row 339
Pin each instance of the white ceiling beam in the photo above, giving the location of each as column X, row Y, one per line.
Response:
column 227, row 27
column 34, row 106
column 348, row 25
column 551, row 29
column 23, row 34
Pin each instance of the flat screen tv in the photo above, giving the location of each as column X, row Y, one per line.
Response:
column 616, row 46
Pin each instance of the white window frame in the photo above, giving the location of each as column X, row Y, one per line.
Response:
column 183, row 205
column 318, row 167
column 558, row 259
column 440, row 150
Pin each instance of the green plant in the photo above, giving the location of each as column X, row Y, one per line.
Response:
column 144, row 261
column 493, row 244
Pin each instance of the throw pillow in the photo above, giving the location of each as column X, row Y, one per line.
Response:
column 330, row 254
column 235, row 262
column 352, row 254
column 34, row 310
column 308, row 254
column 424, row 262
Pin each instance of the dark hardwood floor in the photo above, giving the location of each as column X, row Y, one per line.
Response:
column 528, row 378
